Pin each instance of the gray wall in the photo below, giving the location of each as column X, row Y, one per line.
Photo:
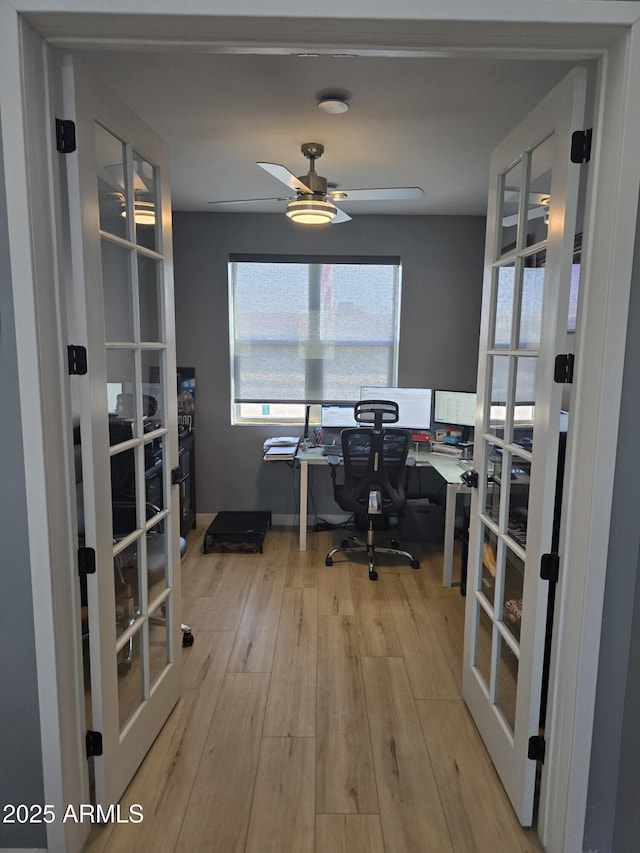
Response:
column 21, row 779
column 613, row 816
column 440, row 319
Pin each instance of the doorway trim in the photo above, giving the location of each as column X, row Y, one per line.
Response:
column 609, row 230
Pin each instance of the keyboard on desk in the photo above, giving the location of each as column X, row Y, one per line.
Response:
column 331, row 449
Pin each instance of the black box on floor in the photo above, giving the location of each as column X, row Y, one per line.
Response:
column 421, row 521
column 236, row 532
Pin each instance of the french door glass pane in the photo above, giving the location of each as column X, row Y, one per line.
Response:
column 509, row 208
column 148, row 293
column 120, row 394
column 112, row 189
column 145, row 197
column 531, row 301
column 127, row 587
column 153, row 461
column 492, row 493
column 152, row 385
column 519, row 499
column 539, row 197
column 499, row 378
column 158, row 645
column 118, row 309
column 484, row 638
column 489, row 564
column 507, row 683
column 156, row 563
column 513, row 592
column 123, row 493
column 505, row 285
column 130, row 678
column 524, row 397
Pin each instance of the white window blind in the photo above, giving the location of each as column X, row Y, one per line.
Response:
column 308, row 330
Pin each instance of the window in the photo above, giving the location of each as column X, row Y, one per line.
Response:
column 307, row 330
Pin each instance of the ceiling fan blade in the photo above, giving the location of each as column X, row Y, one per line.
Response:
column 380, row 194
column 243, row 200
column 340, row 216
column 284, row 175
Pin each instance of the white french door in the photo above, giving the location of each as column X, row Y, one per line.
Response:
column 530, row 238
column 120, row 246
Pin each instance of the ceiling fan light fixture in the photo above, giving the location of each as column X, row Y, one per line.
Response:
column 311, row 212
column 144, row 212
column 333, row 104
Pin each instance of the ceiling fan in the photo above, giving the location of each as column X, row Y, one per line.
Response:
column 314, row 203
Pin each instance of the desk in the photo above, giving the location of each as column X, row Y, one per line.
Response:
column 448, row 469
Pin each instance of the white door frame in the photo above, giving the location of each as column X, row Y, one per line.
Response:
column 609, row 236
column 34, row 241
column 610, row 231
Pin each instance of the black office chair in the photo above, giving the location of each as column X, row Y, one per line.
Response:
column 375, row 473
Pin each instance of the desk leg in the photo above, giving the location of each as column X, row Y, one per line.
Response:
column 449, row 533
column 304, row 487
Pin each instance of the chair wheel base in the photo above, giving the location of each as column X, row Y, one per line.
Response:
column 328, row 561
column 373, row 575
column 187, row 639
column 415, row 564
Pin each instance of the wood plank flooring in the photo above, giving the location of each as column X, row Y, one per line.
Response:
column 320, row 713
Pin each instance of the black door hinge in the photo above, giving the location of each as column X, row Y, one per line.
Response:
column 65, row 136
column 581, row 145
column 93, row 742
column 563, row 369
column 536, row 748
column 77, row 358
column 550, row 567
column 86, row 561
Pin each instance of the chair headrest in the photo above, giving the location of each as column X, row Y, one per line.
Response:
column 376, row 412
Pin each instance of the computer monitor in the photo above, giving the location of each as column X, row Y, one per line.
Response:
column 337, row 417
column 114, row 390
column 455, row 407
column 414, row 404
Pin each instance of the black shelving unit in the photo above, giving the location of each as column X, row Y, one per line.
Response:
column 186, row 460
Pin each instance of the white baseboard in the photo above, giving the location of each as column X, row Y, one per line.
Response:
column 23, row 850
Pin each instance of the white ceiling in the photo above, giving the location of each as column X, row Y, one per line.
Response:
column 414, row 121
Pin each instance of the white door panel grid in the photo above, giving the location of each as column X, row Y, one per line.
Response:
column 531, row 222
column 120, row 244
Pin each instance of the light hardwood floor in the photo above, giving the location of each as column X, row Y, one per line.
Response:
column 320, row 713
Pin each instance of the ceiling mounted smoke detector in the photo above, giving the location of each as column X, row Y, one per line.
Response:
column 333, row 104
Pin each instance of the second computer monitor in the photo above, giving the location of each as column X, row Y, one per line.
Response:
column 455, row 407
column 337, row 416
column 414, row 404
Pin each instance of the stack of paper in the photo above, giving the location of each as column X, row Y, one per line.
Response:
column 281, row 448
